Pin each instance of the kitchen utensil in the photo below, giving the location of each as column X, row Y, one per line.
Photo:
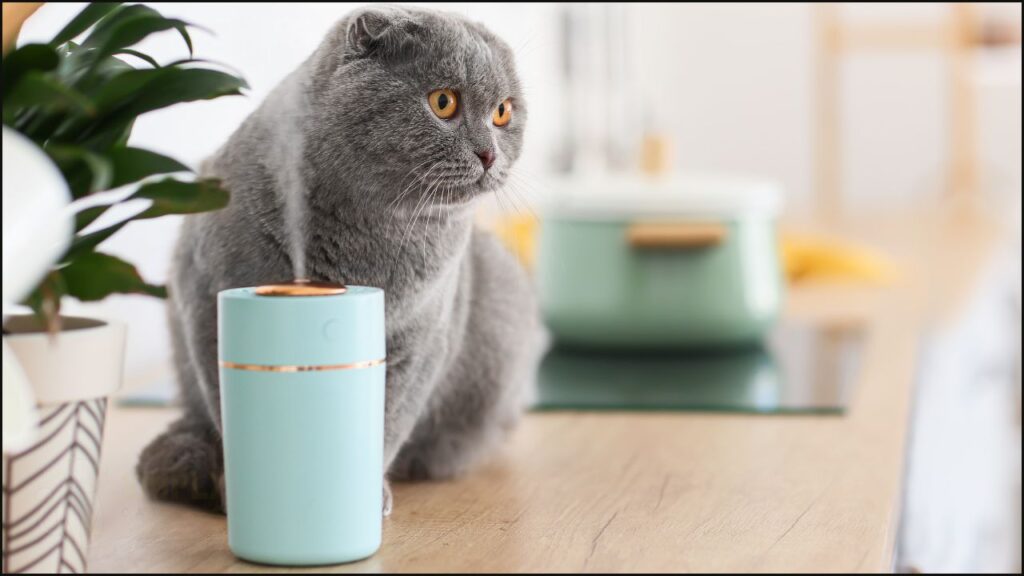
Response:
column 642, row 263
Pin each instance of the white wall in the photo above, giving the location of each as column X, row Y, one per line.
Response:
column 732, row 84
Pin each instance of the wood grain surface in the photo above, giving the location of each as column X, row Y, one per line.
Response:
column 635, row 492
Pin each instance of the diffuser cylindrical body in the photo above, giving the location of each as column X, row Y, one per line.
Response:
column 302, row 401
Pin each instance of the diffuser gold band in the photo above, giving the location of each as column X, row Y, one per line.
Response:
column 321, row 368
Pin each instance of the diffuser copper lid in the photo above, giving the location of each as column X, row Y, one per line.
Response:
column 301, row 287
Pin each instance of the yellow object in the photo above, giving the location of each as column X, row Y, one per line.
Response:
column 656, row 155
column 806, row 257
column 519, row 234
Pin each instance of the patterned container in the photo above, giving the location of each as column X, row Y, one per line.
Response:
column 49, row 487
column 302, row 397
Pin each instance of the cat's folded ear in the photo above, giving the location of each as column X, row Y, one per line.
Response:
column 386, row 31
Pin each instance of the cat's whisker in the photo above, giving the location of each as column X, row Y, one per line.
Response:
column 424, row 202
column 516, row 231
column 513, row 203
column 440, row 216
column 418, row 166
column 516, row 185
column 451, row 194
column 512, row 229
column 529, row 184
column 409, row 189
column 521, row 196
column 405, row 191
column 432, row 194
column 506, row 187
column 426, row 237
column 504, row 191
column 412, row 219
column 430, row 171
column 447, row 200
column 528, row 46
column 529, row 178
column 501, row 203
column 393, row 206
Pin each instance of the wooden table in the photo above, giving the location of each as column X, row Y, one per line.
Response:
column 630, row 492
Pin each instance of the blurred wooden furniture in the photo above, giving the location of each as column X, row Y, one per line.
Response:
column 636, row 492
column 955, row 36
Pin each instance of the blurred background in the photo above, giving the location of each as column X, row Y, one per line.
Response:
column 892, row 133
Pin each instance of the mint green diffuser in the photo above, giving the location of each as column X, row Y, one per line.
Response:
column 302, row 400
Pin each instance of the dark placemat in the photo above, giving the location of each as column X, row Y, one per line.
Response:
column 799, row 368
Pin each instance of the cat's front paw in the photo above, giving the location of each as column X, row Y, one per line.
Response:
column 388, row 500
column 183, row 465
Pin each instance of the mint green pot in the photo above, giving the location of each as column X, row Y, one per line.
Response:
column 302, row 400
column 706, row 280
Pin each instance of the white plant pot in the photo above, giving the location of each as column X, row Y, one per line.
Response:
column 48, row 488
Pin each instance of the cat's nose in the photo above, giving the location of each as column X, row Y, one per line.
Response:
column 486, row 158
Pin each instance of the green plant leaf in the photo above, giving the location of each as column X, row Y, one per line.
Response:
column 133, row 30
column 121, row 88
column 86, row 18
column 109, row 135
column 139, row 91
column 80, row 70
column 128, row 26
column 169, row 196
column 187, row 61
column 80, row 101
column 176, row 197
column 144, row 57
column 38, row 57
column 88, row 215
column 38, row 92
column 45, row 300
column 183, row 30
column 95, row 275
column 38, row 124
column 88, row 242
column 113, row 23
column 134, row 164
column 136, row 92
column 85, row 171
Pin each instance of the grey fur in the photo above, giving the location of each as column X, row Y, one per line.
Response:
column 390, row 190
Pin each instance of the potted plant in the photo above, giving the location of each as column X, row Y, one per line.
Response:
column 68, row 110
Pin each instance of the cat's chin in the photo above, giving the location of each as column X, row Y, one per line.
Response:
column 488, row 182
column 464, row 194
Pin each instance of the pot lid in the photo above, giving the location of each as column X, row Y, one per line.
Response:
column 626, row 196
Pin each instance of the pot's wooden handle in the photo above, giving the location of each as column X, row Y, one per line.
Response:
column 675, row 234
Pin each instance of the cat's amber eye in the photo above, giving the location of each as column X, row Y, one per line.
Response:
column 503, row 113
column 443, row 102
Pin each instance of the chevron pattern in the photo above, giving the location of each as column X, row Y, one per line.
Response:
column 48, row 491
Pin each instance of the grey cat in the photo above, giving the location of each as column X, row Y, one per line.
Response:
column 390, row 171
